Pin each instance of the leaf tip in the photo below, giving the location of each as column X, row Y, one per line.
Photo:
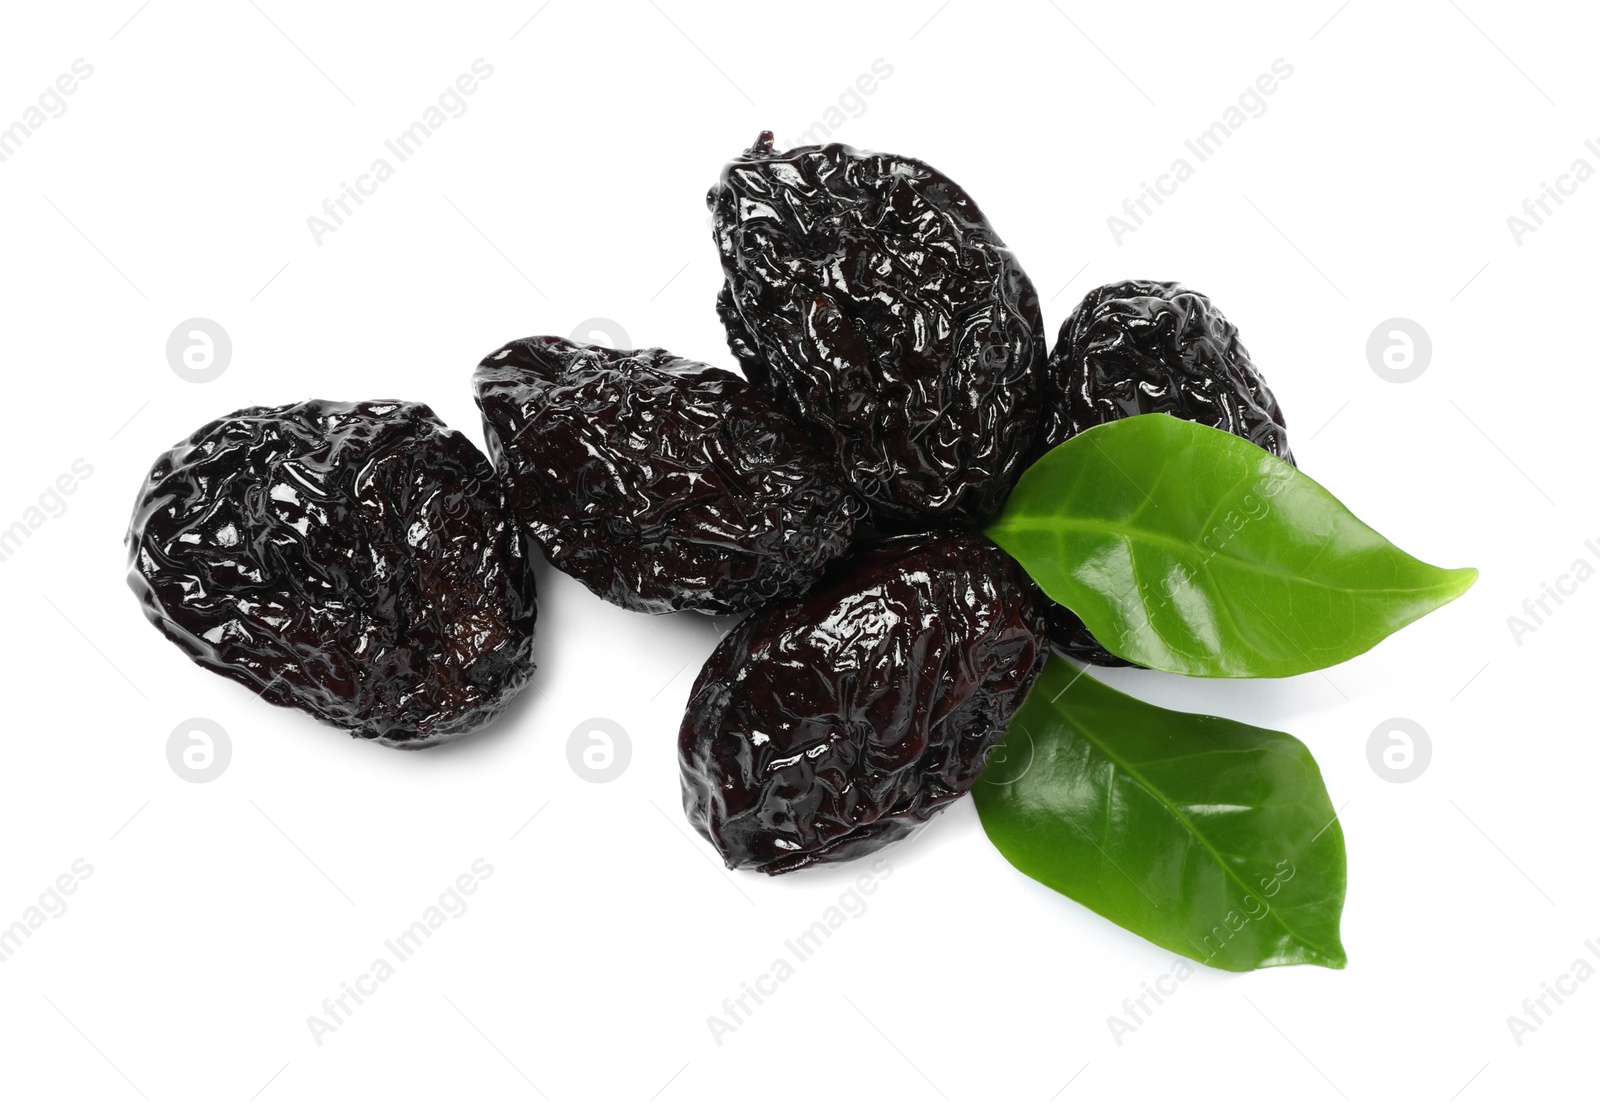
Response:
column 1460, row 580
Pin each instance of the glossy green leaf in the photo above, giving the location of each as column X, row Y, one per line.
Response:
column 1188, row 549
column 1209, row 837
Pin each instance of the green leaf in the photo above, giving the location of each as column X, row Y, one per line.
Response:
column 1190, row 550
column 1209, row 837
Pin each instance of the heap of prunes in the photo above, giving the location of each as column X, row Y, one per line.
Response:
column 368, row 565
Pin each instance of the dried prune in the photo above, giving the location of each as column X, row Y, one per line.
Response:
column 348, row 559
column 827, row 726
column 660, row 483
column 868, row 295
column 1142, row 347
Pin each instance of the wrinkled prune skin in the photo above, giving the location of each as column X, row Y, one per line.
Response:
column 870, row 298
column 348, row 559
column 828, row 726
column 660, row 483
column 1142, row 347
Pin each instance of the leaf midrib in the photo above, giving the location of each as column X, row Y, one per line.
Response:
column 1078, row 524
column 1216, row 855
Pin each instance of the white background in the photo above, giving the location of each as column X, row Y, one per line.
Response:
column 219, row 916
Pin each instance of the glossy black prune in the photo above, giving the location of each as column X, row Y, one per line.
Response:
column 1142, row 347
column 870, row 298
column 827, row 726
column 660, row 483
column 348, row 559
